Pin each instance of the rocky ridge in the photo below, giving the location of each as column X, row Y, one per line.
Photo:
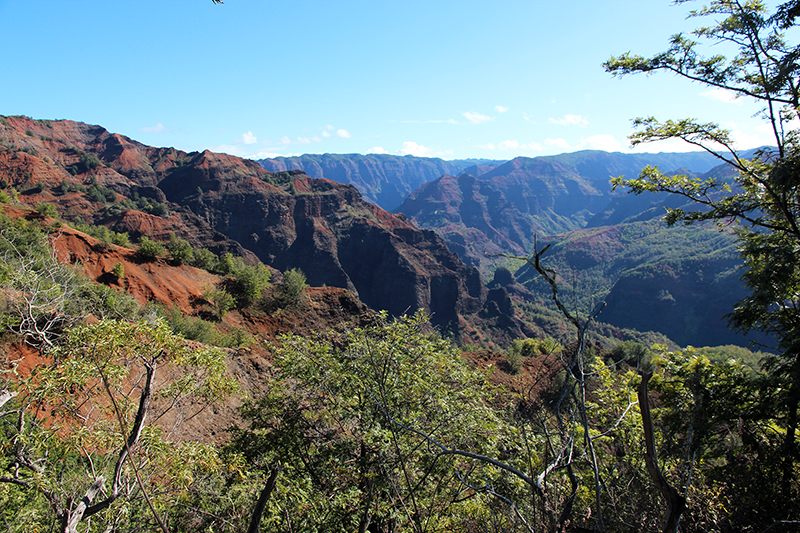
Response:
column 225, row 203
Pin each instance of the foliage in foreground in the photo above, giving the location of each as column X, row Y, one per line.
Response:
column 96, row 436
column 762, row 203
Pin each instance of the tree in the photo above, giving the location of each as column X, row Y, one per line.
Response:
column 288, row 290
column 180, row 250
column 763, row 201
column 353, row 422
column 82, row 434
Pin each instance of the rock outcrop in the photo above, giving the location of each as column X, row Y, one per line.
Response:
column 225, row 203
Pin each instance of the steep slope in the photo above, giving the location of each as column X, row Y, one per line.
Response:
column 505, row 208
column 226, row 203
column 679, row 281
column 385, row 180
column 509, row 203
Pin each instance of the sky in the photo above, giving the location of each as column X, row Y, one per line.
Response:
column 454, row 79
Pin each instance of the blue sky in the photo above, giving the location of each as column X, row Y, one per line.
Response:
column 439, row 78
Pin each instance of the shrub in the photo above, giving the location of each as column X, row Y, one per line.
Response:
column 9, row 195
column 47, row 209
column 225, row 265
column 150, row 249
column 249, row 281
column 221, row 301
column 205, row 259
column 120, row 239
column 180, row 250
column 514, row 360
column 159, row 209
column 118, row 270
column 288, row 290
column 197, row 329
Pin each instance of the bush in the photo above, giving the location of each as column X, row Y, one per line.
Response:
column 159, row 209
column 249, row 281
column 221, row 301
column 205, row 259
column 150, row 249
column 197, row 329
column 180, row 250
column 118, row 270
column 288, row 291
column 294, row 281
column 47, row 209
column 225, row 265
column 514, row 360
column 102, row 233
column 9, row 195
column 632, row 352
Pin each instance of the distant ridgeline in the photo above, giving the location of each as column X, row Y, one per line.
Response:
column 429, row 254
column 678, row 281
column 384, row 180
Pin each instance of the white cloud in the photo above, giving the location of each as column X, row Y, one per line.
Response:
column 326, row 134
column 377, row 150
column 343, row 133
column 268, row 155
column 304, row 140
column 723, row 96
column 501, row 108
column 488, row 146
column 508, row 145
column 412, row 148
column 529, row 118
column 570, row 120
column 558, row 143
column 248, row 138
column 158, row 128
column 286, row 140
column 605, row 142
column 476, row 118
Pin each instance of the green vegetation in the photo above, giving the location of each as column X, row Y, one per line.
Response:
column 41, row 297
column 47, row 209
column 248, row 281
column 114, row 466
column 9, row 195
column 221, row 302
column 522, row 348
column 763, row 205
column 349, row 426
column 197, row 329
column 102, row 233
column 118, row 270
column 288, row 291
column 180, row 250
column 85, row 162
column 150, row 249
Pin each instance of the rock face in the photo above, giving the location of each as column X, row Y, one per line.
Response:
column 500, row 208
column 385, row 180
column 287, row 220
column 505, row 208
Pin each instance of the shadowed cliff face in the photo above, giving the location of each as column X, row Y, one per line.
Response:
column 327, row 230
column 226, row 203
column 504, row 209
